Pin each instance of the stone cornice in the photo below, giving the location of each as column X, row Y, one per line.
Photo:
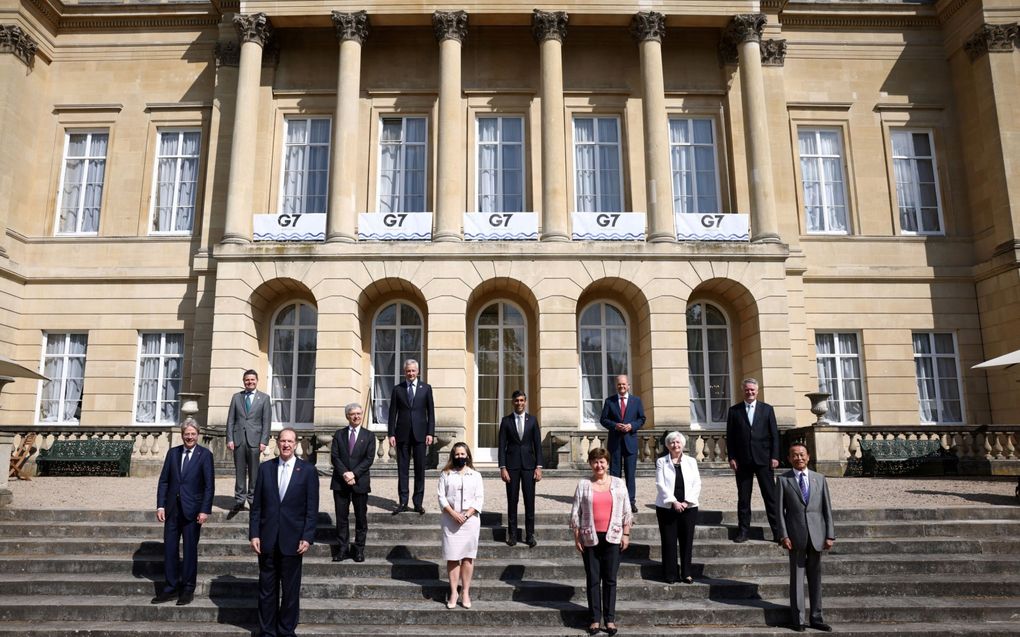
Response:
column 648, row 25
column 773, row 52
column 351, row 26
column 110, row 17
column 20, row 44
column 450, row 25
column 992, row 38
column 253, row 27
column 549, row 25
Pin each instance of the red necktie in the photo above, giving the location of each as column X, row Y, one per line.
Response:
column 623, row 406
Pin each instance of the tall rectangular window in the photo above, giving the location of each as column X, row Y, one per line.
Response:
column 81, row 192
column 64, row 364
column 821, row 171
column 500, row 164
column 917, row 191
column 692, row 157
column 160, row 362
column 598, row 179
column 305, row 165
column 402, row 154
column 839, row 374
column 176, row 181
column 938, row 377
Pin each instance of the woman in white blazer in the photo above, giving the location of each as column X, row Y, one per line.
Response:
column 678, row 487
column 460, row 501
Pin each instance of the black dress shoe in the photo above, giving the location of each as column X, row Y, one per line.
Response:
column 420, row 510
column 687, row 580
column 633, row 507
column 340, row 555
column 511, row 540
column 186, row 598
column 164, row 596
column 358, row 555
column 741, row 538
column 797, row 627
column 400, row 509
column 822, row 626
column 531, row 542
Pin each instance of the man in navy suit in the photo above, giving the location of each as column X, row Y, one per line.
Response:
column 183, row 504
column 281, row 529
column 752, row 446
column 520, row 465
column 352, row 455
column 411, row 428
column 623, row 414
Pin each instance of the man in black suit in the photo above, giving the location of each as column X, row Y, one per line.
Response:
column 411, row 428
column 183, row 504
column 281, row 528
column 752, row 446
column 352, row 454
column 520, row 465
column 623, row 414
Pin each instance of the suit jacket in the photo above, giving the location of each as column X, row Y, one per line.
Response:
column 358, row 461
column 249, row 427
column 412, row 422
column 193, row 490
column 756, row 445
column 634, row 417
column 284, row 523
column 517, row 454
column 805, row 523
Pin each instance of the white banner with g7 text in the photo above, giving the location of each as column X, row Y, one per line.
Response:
column 500, row 226
column 395, row 226
column 712, row 227
column 608, row 226
column 287, row 227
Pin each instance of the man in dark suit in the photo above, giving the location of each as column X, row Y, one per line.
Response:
column 281, row 529
column 520, row 465
column 805, row 529
column 248, row 423
column 623, row 414
column 411, row 428
column 752, row 446
column 352, row 454
column 183, row 504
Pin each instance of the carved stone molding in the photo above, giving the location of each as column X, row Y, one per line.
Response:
column 450, row 25
column 773, row 52
column 228, row 53
column 549, row 25
column 14, row 40
column 648, row 25
column 253, row 27
column 992, row 38
column 745, row 27
column 351, row 26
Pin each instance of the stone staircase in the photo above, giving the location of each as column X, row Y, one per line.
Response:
column 893, row 571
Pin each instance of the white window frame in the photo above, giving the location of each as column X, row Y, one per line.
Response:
column 179, row 158
column 598, row 151
column 62, row 417
column 489, row 454
column 292, row 399
column 499, row 144
column 674, row 169
column 826, row 204
column 837, row 411
column 401, row 196
column 398, row 377
column 915, row 182
column 955, row 357
column 159, row 379
column 710, row 424
column 79, row 214
column 304, row 168
column 608, row 386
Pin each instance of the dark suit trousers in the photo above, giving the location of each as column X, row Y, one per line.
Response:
column 623, row 461
column 810, row 561
column 404, row 452
column 521, row 480
column 246, row 465
column 676, row 529
column 279, row 576
column 766, row 484
column 175, row 528
column 342, row 500
column 601, row 562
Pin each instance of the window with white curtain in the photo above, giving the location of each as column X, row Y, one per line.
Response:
column 938, row 377
column 160, row 363
column 708, row 361
column 917, row 189
column 598, row 179
column 81, row 192
column 305, row 165
column 397, row 335
column 500, row 164
column 402, row 155
column 821, row 172
column 64, row 364
column 176, row 181
column 501, row 364
column 692, row 157
column 838, row 359
column 604, row 346
column 292, row 358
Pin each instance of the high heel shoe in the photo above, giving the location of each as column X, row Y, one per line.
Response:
column 593, row 629
column 611, row 630
column 465, row 604
column 451, row 602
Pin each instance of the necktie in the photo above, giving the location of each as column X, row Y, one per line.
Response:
column 410, row 392
column 623, row 406
column 284, row 478
column 520, row 427
column 351, row 440
column 184, row 462
column 803, row 487
column 750, row 413
column 247, row 402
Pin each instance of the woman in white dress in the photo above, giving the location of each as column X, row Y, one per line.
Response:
column 460, row 499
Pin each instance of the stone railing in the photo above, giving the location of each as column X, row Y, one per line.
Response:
column 570, row 447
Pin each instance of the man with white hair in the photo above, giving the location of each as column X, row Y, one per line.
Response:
column 411, row 428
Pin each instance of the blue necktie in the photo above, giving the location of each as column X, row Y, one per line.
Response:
column 187, row 457
column 410, row 393
column 803, row 487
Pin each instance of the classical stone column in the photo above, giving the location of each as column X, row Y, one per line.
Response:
column 254, row 31
column 745, row 33
column 648, row 29
column 352, row 31
column 549, row 28
column 14, row 79
column 450, row 28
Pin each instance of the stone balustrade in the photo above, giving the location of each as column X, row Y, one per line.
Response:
column 570, row 447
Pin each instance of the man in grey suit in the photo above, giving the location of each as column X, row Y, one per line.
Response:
column 805, row 529
column 248, row 423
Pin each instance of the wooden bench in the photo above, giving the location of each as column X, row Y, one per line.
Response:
column 92, row 457
column 900, row 457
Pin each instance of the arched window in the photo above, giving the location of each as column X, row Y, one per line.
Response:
column 396, row 336
column 292, row 358
column 501, row 365
column 708, row 357
column 604, row 344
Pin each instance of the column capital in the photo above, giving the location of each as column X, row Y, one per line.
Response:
column 253, row 27
column 450, row 25
column 351, row 26
column 745, row 27
column 648, row 25
column 773, row 52
column 14, row 40
column 549, row 25
column 992, row 38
